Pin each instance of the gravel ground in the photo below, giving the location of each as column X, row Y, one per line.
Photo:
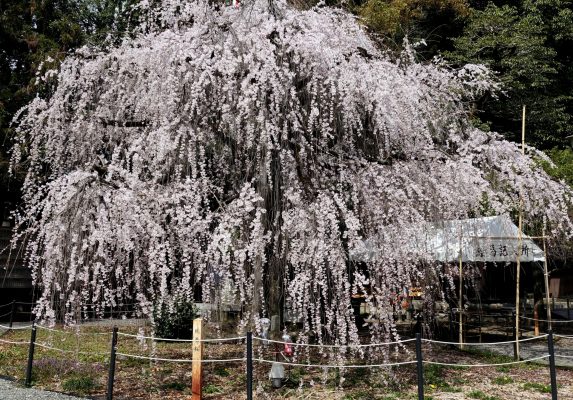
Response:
column 11, row 391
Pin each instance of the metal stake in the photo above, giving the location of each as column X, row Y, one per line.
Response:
column 28, row 382
column 420, row 366
column 249, row 366
column 111, row 375
column 552, row 365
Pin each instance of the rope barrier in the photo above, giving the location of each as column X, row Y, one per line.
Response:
column 334, row 345
column 563, row 336
column 183, row 360
column 16, row 327
column 48, row 347
column 563, row 356
column 546, row 320
column 159, row 339
column 336, row 366
column 486, row 344
column 486, row 365
column 71, row 332
column 12, row 342
column 4, row 305
column 3, row 315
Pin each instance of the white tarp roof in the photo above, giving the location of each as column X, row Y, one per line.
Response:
column 494, row 239
column 491, row 239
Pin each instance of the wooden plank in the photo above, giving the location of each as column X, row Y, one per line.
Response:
column 197, row 371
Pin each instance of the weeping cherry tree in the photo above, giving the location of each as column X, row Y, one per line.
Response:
column 254, row 149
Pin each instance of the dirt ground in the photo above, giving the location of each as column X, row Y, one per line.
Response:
column 82, row 369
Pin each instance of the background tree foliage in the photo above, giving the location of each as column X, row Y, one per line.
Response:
column 36, row 35
column 434, row 21
column 527, row 43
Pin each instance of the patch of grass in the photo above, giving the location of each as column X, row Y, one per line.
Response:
column 212, row 389
column 356, row 376
column 490, row 356
column 174, row 386
column 296, row 375
column 434, row 377
column 503, row 368
column 459, row 381
column 79, row 384
column 502, row 380
column 391, row 396
column 221, row 371
column 478, row 394
column 360, row 395
column 538, row 387
column 129, row 362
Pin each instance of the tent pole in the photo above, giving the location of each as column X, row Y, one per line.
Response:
column 546, row 276
column 519, row 244
column 460, row 302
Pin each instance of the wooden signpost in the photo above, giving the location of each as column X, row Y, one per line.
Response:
column 196, row 371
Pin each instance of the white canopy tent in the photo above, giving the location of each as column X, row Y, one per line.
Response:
column 486, row 239
column 491, row 239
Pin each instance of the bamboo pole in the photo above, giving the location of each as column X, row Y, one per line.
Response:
column 519, row 244
column 546, row 278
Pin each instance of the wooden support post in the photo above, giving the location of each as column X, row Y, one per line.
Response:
column 536, row 319
column 519, row 245
column 546, row 279
column 461, row 299
column 12, row 313
column 196, row 370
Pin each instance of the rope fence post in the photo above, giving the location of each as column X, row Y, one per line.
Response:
column 197, row 366
column 552, row 365
column 249, row 366
column 111, row 374
column 28, row 382
column 420, row 366
column 12, row 312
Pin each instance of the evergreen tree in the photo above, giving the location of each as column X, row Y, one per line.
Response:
column 526, row 45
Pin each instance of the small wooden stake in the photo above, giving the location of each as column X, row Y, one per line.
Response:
column 197, row 371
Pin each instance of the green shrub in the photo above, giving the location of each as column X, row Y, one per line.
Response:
column 212, row 389
column 478, row 394
column 79, row 384
column 177, row 322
